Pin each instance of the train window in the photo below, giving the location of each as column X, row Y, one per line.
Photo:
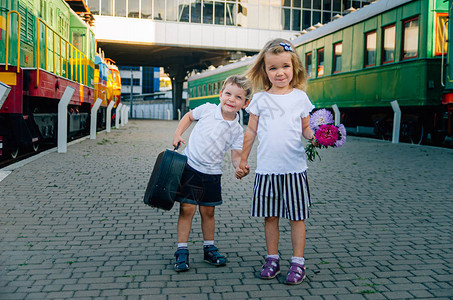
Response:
column 198, row 91
column 309, row 63
column 203, row 90
column 410, row 38
column 388, row 44
column 441, row 34
column 209, row 89
column 370, row 49
column 320, row 62
column 216, row 88
column 338, row 51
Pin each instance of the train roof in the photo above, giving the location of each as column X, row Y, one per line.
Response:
column 357, row 16
column 222, row 69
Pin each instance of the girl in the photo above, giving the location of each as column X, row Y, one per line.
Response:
column 279, row 115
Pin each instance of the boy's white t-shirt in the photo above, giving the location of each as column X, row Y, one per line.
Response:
column 280, row 149
column 211, row 137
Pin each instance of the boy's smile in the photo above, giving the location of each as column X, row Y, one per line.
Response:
column 232, row 99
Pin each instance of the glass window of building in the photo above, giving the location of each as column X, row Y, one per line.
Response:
column 286, row 18
column 219, row 13
column 159, row 10
column 316, row 17
column 309, row 64
column 195, row 12
column 106, row 7
column 388, row 44
column 316, row 4
column 286, row 3
column 320, row 62
column 338, row 51
column 93, row 6
column 296, row 20
column 306, row 19
column 410, row 38
column 307, row 4
column 120, row 8
column 249, row 15
column 327, row 5
column 230, row 14
column 147, row 9
column 370, row 49
column 184, row 11
column 171, row 10
column 441, row 33
column 336, row 5
column 133, row 7
column 208, row 12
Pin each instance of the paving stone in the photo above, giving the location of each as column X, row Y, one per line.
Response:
column 74, row 226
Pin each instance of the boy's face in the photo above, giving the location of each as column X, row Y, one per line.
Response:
column 232, row 99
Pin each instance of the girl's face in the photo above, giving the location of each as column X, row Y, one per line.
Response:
column 279, row 70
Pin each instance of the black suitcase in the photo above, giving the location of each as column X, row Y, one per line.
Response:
column 165, row 178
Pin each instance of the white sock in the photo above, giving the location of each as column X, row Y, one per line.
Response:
column 275, row 256
column 208, row 243
column 182, row 245
column 299, row 260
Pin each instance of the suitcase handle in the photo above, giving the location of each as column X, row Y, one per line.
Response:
column 177, row 147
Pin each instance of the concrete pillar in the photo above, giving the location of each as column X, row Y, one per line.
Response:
column 109, row 116
column 118, row 115
column 94, row 117
column 62, row 135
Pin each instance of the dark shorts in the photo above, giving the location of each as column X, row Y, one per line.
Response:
column 199, row 188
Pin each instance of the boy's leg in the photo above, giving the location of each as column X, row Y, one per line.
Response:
column 207, row 222
column 272, row 234
column 211, row 254
column 186, row 213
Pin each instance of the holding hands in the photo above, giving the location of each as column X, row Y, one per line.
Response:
column 242, row 170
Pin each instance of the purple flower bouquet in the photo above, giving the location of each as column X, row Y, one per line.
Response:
column 326, row 133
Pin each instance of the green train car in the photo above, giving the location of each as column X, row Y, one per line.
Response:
column 44, row 47
column 389, row 50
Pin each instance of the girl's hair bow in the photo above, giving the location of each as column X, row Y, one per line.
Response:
column 286, row 46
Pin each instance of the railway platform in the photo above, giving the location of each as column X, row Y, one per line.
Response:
column 74, row 226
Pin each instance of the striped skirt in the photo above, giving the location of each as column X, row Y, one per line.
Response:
column 286, row 196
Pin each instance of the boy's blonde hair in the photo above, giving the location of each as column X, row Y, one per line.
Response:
column 242, row 82
column 257, row 72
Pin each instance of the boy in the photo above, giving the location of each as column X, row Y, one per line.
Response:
column 216, row 131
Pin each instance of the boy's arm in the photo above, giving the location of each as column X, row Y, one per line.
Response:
column 249, row 138
column 236, row 157
column 182, row 126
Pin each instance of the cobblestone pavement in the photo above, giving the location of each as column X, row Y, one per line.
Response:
column 74, row 226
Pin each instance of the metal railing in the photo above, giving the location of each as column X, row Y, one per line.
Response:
column 81, row 68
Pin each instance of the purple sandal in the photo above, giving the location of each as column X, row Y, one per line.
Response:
column 296, row 273
column 270, row 269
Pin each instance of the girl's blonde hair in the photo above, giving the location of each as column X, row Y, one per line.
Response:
column 257, row 72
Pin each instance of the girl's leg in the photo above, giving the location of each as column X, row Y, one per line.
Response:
column 272, row 234
column 298, row 237
column 207, row 222
column 186, row 213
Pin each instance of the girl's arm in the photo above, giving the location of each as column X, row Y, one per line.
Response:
column 249, row 139
column 182, row 126
column 307, row 132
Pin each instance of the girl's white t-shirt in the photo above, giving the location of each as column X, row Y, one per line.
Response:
column 211, row 137
column 280, row 149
